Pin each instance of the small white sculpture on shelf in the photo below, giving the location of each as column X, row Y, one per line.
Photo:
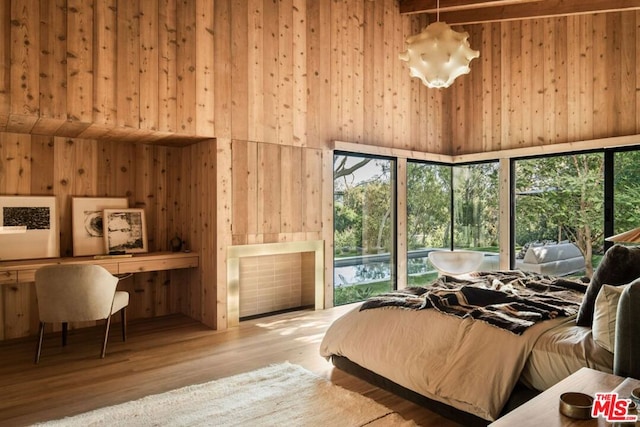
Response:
column 438, row 55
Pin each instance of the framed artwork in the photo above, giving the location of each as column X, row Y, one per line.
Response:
column 125, row 231
column 87, row 223
column 28, row 227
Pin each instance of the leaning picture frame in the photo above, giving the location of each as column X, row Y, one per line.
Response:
column 87, row 222
column 125, row 231
column 28, row 227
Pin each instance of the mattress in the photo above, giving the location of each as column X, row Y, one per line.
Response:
column 560, row 352
column 464, row 363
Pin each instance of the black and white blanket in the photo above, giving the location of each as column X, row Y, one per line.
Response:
column 513, row 300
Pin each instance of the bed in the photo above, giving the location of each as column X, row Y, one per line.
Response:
column 472, row 368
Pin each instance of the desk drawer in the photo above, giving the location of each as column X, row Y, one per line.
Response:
column 157, row 265
column 27, row 276
column 8, row 276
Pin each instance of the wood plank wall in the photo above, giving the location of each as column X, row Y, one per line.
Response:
column 291, row 72
column 275, row 83
column 548, row 81
column 304, row 73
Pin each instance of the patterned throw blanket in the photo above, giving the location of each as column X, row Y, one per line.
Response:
column 511, row 300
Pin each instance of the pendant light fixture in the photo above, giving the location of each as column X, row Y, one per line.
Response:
column 438, row 55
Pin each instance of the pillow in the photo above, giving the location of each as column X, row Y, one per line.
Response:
column 619, row 266
column 604, row 316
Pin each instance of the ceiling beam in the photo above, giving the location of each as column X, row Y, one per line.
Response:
column 475, row 11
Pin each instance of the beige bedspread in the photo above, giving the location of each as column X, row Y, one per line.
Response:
column 464, row 363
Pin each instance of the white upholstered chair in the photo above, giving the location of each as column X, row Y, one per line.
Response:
column 78, row 293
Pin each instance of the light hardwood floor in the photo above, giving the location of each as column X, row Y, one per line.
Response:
column 161, row 354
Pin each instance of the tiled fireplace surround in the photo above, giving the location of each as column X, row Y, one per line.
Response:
column 269, row 277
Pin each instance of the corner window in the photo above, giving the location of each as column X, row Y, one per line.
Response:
column 364, row 226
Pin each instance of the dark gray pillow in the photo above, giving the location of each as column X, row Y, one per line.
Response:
column 619, row 266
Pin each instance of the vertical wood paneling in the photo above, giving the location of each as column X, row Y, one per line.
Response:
column 25, row 84
column 158, row 200
column 601, row 76
column 85, row 182
column 336, row 65
column 585, row 77
column 240, row 187
column 299, row 75
column 80, row 60
column 270, row 75
column 222, row 70
column 614, row 73
column 5, row 64
column 20, row 307
column 16, row 166
column 637, row 67
column 186, row 66
column 269, row 183
column 128, row 64
column 149, row 65
column 388, row 78
column 214, row 311
column 242, row 32
column 537, row 83
column 526, row 76
column 403, row 88
column 105, row 45
column 313, row 196
column 204, row 119
column 284, row 95
column 167, row 88
column 319, row 74
column 497, row 89
column 561, row 77
column 288, row 168
column 573, row 80
column 255, row 113
column 42, row 149
column 487, row 59
column 53, row 57
column 549, row 80
column 628, row 74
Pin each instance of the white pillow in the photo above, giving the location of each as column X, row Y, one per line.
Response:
column 604, row 316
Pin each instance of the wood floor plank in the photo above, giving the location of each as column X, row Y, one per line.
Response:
column 162, row 354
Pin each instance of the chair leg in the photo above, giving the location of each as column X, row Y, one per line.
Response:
column 106, row 336
column 65, row 330
column 123, row 318
column 39, row 346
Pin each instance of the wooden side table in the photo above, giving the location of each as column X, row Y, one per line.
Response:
column 543, row 410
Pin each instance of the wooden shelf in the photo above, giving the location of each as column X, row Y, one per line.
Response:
column 24, row 270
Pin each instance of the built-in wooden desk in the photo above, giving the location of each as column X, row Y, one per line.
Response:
column 24, row 270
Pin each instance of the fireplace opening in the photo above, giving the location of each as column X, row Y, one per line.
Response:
column 272, row 283
column 269, row 278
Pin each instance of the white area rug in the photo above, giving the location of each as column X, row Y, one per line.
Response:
column 278, row 395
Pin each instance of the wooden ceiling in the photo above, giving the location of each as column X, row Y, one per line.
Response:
column 476, row 11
